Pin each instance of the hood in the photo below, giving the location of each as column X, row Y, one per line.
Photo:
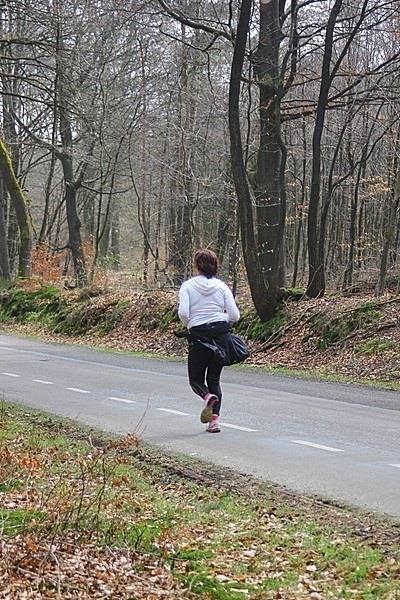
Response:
column 203, row 285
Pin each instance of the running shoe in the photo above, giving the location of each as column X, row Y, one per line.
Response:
column 213, row 426
column 207, row 412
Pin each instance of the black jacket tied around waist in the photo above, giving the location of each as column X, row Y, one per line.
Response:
column 228, row 348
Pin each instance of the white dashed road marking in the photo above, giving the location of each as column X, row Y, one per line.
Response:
column 11, row 374
column 121, row 400
column 174, row 412
column 239, row 427
column 78, row 390
column 319, row 446
column 42, row 381
column 397, row 466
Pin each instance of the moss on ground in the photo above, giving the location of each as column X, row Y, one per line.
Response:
column 251, row 326
column 330, row 330
column 377, row 346
column 77, row 314
column 41, row 305
column 58, row 312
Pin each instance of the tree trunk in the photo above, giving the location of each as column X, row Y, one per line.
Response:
column 73, row 221
column 316, row 281
column 389, row 231
column 267, row 187
column 225, row 219
column 12, row 237
column 4, row 260
column 256, row 281
column 21, row 211
column 66, row 158
column 234, row 254
column 349, row 271
column 44, row 230
column 160, row 204
column 144, row 201
column 115, row 251
column 11, row 108
column 299, row 224
column 262, row 244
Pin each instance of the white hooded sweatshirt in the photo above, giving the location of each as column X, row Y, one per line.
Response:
column 203, row 300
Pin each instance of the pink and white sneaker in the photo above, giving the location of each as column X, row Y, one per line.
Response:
column 207, row 412
column 213, row 426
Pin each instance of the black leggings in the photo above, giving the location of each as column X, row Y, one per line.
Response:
column 201, row 366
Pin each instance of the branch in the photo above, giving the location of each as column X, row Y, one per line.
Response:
column 182, row 18
column 349, row 41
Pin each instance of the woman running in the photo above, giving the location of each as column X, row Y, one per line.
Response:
column 206, row 307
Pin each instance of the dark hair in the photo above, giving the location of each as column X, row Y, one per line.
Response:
column 206, row 262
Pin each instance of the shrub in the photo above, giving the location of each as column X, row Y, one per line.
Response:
column 156, row 312
column 47, row 264
column 111, row 319
column 88, row 312
column 295, row 294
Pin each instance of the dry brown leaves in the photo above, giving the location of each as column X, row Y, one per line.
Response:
column 31, row 568
column 61, row 552
column 298, row 349
column 53, row 550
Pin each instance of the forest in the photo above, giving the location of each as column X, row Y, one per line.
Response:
column 136, row 131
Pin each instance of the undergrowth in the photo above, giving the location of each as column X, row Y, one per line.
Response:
column 377, row 347
column 326, row 336
column 39, row 305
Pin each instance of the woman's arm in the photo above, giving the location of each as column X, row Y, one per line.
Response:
column 230, row 306
column 184, row 305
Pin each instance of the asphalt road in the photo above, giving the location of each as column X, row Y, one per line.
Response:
column 337, row 441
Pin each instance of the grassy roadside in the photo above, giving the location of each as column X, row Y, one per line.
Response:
column 83, row 515
column 321, row 375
